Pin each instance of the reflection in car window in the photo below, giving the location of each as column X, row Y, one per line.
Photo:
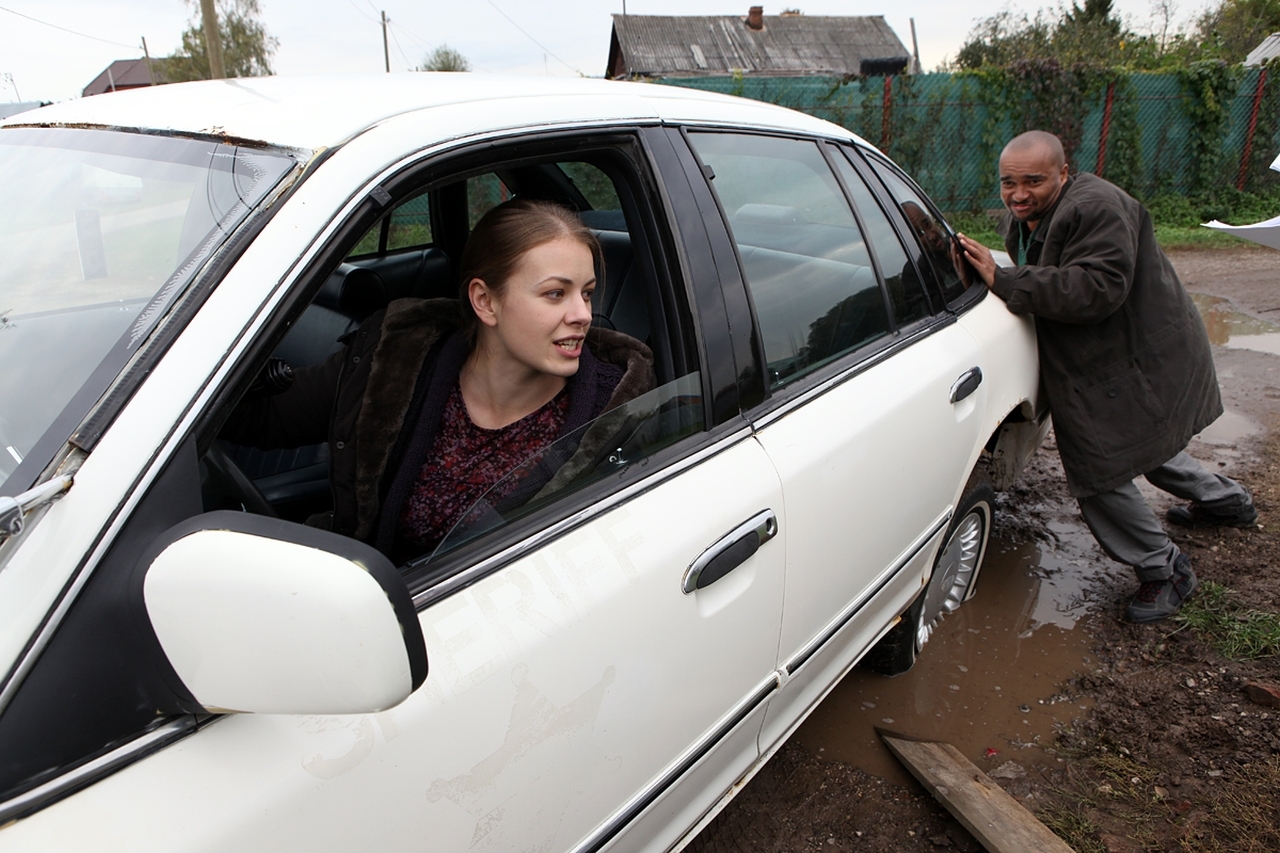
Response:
column 906, row 291
column 935, row 236
column 609, row 444
column 101, row 233
column 804, row 257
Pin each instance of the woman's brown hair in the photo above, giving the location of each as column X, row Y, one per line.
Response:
column 501, row 238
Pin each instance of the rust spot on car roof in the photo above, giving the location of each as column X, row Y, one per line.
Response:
column 212, row 134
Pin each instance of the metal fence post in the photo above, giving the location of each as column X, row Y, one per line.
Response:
column 1106, row 130
column 886, row 112
column 1253, row 125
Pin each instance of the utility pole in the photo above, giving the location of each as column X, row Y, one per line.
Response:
column 915, row 49
column 151, row 74
column 212, row 40
column 386, row 53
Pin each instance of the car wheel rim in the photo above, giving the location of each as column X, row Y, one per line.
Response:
column 954, row 573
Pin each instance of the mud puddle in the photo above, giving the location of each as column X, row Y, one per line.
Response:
column 987, row 678
column 1234, row 329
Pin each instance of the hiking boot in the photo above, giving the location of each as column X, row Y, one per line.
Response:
column 1196, row 515
column 1156, row 600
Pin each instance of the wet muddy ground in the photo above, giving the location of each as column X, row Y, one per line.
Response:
column 1123, row 738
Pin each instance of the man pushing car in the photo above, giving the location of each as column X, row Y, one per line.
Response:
column 1124, row 361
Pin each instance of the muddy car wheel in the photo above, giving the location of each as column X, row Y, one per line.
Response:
column 954, row 572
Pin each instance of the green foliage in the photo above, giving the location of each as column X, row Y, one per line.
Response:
column 1091, row 35
column 444, row 58
column 1209, row 85
column 246, row 47
column 977, row 226
column 1238, row 632
column 1232, row 28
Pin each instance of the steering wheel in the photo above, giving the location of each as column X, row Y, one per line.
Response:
column 224, row 470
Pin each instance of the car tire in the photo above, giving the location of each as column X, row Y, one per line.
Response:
column 954, row 573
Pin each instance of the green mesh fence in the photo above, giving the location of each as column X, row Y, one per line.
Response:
column 1137, row 132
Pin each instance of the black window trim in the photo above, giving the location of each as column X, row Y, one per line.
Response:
column 862, row 164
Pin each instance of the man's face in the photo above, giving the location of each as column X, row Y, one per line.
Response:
column 1030, row 182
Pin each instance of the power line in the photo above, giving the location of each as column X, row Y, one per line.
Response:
column 361, row 12
column 408, row 65
column 534, row 40
column 65, row 30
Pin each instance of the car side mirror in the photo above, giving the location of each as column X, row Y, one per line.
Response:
column 260, row 615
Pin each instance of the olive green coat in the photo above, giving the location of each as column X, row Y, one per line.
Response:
column 1124, row 356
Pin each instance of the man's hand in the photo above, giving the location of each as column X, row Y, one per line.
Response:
column 980, row 257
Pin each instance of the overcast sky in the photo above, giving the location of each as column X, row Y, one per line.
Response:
column 69, row 42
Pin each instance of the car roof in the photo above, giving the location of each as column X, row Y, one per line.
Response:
column 325, row 111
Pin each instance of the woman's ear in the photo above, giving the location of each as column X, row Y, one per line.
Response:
column 483, row 302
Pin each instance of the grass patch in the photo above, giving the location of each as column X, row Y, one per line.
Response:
column 1240, row 816
column 1074, row 827
column 982, row 228
column 1197, row 237
column 1236, row 631
column 978, row 226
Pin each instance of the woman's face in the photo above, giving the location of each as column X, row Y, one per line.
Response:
column 540, row 321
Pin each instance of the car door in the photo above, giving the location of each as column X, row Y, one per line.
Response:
column 861, row 419
column 600, row 665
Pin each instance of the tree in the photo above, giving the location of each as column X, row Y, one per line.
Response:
column 246, row 47
column 1088, row 35
column 444, row 58
column 1234, row 27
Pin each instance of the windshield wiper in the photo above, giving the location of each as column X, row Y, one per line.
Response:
column 13, row 510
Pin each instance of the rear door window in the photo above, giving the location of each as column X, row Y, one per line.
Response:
column 805, row 259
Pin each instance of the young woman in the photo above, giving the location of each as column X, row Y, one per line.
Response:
column 432, row 403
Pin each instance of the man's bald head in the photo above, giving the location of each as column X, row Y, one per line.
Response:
column 1037, row 141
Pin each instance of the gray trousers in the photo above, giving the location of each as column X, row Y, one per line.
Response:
column 1128, row 530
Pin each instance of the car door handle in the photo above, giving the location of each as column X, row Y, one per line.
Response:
column 966, row 384
column 730, row 551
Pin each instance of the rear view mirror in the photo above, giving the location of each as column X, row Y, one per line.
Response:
column 261, row 615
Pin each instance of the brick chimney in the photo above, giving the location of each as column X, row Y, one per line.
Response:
column 755, row 18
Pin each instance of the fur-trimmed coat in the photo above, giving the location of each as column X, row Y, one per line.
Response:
column 379, row 401
column 1124, row 355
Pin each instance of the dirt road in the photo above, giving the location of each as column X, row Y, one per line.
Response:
column 1120, row 737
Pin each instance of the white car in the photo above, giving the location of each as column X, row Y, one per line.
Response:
column 186, row 666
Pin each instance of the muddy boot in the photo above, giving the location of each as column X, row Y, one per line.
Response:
column 1197, row 515
column 1156, row 600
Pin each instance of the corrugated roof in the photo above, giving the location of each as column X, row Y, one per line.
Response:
column 125, row 74
column 694, row 45
column 1269, row 49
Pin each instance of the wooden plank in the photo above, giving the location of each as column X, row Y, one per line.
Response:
column 996, row 819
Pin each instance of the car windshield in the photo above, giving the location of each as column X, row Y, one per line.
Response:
column 100, row 234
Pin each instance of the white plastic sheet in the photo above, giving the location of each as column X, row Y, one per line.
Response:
column 1265, row 233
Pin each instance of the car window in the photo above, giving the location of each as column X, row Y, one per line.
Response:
column 484, row 192
column 628, row 300
column 906, row 291
column 408, row 226
column 805, row 259
column 596, row 187
column 607, row 445
column 930, row 228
